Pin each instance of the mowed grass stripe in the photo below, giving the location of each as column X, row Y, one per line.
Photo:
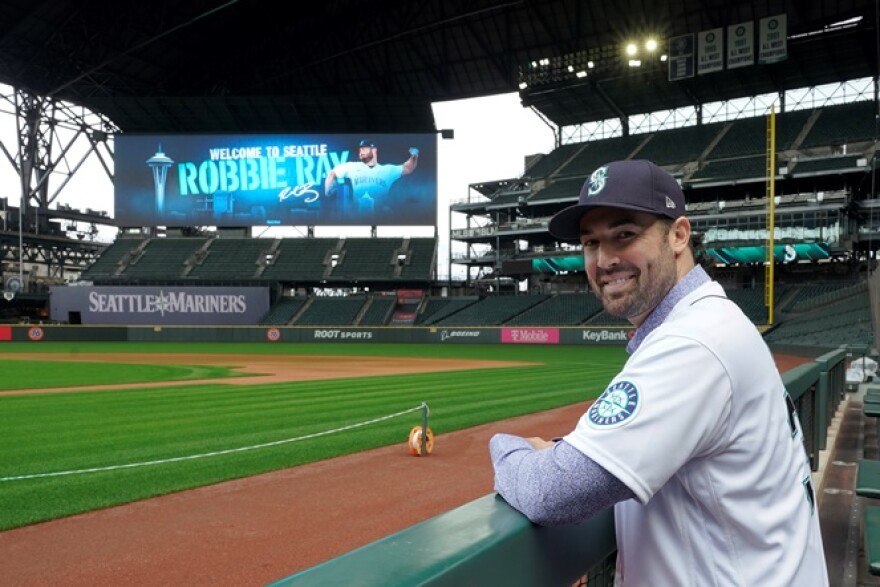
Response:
column 256, row 417
column 56, row 432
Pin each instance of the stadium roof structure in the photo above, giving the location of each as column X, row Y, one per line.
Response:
column 342, row 66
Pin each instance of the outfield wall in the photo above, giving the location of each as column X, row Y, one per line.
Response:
column 287, row 334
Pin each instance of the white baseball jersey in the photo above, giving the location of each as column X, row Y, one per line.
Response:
column 698, row 426
column 375, row 180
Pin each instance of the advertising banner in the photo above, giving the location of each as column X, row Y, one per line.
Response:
column 530, row 335
column 265, row 180
column 158, row 305
column 786, row 253
column 606, row 336
column 464, row 335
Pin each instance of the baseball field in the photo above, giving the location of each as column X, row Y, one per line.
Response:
column 87, row 426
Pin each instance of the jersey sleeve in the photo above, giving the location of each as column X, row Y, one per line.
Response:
column 669, row 404
column 393, row 173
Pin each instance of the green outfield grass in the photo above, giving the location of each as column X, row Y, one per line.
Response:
column 45, row 433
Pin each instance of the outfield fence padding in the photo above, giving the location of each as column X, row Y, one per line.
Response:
column 331, row 334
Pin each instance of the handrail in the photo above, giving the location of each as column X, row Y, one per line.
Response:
column 484, row 542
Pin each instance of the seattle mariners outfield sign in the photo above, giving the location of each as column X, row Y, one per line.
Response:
column 159, row 305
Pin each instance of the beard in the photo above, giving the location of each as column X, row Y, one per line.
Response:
column 645, row 292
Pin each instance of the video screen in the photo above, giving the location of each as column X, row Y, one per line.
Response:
column 264, row 180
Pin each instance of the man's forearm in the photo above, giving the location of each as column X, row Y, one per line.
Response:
column 553, row 486
column 410, row 164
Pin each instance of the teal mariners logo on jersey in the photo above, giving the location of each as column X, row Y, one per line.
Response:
column 616, row 405
column 597, row 181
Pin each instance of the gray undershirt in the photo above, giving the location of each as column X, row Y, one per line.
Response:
column 554, row 486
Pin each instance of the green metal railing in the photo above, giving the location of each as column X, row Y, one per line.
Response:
column 486, row 542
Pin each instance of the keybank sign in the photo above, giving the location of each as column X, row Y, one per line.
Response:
column 159, row 305
column 605, row 335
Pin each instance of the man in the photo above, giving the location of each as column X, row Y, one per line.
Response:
column 695, row 442
column 370, row 181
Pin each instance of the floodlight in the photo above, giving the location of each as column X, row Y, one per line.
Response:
column 631, row 49
column 651, row 45
column 581, row 74
column 635, row 62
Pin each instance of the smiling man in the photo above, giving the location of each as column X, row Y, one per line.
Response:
column 695, row 442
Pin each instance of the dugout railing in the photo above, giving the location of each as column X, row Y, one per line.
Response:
column 486, row 542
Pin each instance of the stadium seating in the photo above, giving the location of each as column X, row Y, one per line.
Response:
column 550, row 162
column 163, row 258
column 331, row 311
column 560, row 189
column 300, row 259
column 598, row 153
column 846, row 321
column 492, row 311
column 419, row 262
column 749, row 135
column 825, row 164
column 812, row 295
column 680, row 145
column 378, row 311
column 231, row 259
column 729, row 170
column 559, row 310
column 112, row 259
column 283, row 311
column 363, row 259
column 436, row 309
column 843, row 124
column 751, row 302
column 603, row 318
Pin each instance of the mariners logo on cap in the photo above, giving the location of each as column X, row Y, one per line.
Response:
column 597, row 181
column 616, row 405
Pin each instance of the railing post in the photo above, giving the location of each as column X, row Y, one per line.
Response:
column 424, row 447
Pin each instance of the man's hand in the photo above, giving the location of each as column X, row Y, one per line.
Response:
column 414, row 151
column 539, row 443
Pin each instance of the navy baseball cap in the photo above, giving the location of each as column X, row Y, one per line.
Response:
column 367, row 143
column 634, row 184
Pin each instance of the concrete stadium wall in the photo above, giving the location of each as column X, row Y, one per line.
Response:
column 293, row 334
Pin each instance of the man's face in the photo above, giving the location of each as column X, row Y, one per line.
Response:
column 629, row 260
column 367, row 154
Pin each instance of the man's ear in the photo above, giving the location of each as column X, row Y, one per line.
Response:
column 680, row 235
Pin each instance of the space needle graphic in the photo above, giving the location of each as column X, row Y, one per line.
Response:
column 159, row 164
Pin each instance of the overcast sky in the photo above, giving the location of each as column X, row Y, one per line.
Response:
column 493, row 135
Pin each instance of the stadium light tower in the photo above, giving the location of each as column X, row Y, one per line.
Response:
column 159, row 164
